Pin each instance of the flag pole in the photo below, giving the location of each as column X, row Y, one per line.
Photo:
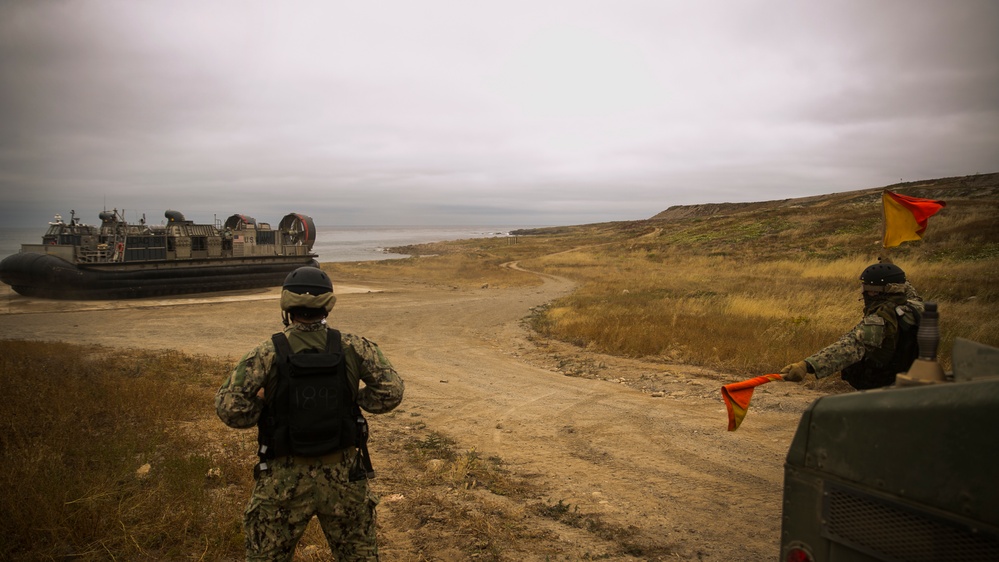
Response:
column 883, row 256
column 884, row 220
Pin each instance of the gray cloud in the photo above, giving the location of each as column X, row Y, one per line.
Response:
column 445, row 112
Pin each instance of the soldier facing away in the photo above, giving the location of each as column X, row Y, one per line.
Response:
column 882, row 345
column 301, row 388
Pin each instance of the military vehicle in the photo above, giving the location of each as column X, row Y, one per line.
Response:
column 908, row 473
column 117, row 259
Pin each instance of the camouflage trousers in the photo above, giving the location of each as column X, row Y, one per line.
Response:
column 287, row 496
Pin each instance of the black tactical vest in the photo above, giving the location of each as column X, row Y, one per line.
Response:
column 879, row 367
column 313, row 411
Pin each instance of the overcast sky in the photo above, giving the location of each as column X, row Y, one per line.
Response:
column 465, row 112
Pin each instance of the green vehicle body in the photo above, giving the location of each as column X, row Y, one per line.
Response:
column 902, row 473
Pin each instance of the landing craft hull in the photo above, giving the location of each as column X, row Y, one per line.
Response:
column 119, row 260
column 46, row 276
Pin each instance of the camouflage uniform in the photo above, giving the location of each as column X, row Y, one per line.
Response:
column 874, row 339
column 294, row 489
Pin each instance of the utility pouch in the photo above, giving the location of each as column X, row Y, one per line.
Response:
column 357, row 471
column 363, row 457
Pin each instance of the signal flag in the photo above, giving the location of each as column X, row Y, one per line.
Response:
column 737, row 395
column 905, row 217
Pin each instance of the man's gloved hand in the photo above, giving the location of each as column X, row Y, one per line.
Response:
column 795, row 372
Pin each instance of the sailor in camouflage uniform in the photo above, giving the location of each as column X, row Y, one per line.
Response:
column 882, row 345
column 304, row 400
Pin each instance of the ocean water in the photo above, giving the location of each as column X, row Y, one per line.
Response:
column 12, row 238
column 333, row 244
column 369, row 243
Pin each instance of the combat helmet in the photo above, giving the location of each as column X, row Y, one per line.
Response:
column 307, row 292
column 877, row 276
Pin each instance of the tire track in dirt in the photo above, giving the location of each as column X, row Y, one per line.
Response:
column 664, row 467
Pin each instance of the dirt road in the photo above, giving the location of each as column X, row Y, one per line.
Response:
column 643, row 445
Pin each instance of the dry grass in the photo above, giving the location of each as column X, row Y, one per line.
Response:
column 96, row 466
column 117, row 455
column 754, row 287
column 742, row 317
column 642, row 296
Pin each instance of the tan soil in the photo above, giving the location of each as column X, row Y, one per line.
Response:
column 640, row 445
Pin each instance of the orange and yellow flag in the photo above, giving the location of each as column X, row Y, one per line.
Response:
column 737, row 395
column 905, row 217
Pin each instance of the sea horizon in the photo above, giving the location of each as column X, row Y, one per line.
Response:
column 333, row 243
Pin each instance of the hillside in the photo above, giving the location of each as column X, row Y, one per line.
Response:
column 746, row 287
column 828, row 226
column 976, row 187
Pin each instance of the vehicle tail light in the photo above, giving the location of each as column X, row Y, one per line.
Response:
column 798, row 554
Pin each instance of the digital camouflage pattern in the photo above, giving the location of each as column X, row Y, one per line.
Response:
column 294, row 489
column 287, row 496
column 239, row 406
column 875, row 336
